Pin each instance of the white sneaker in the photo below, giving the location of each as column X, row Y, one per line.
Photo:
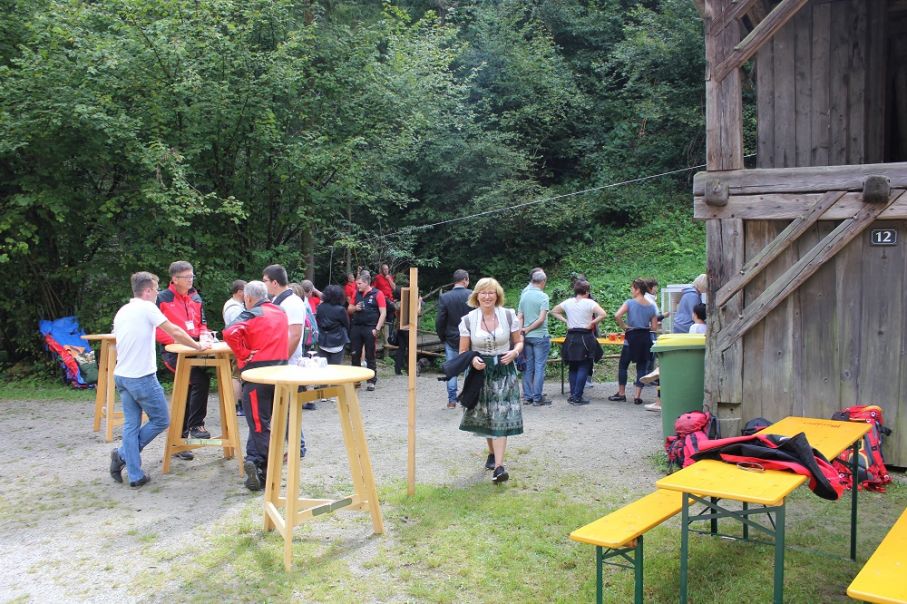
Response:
column 650, row 377
column 653, row 407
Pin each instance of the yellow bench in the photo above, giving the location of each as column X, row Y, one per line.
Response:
column 882, row 578
column 620, row 535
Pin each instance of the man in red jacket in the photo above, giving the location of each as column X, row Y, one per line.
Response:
column 258, row 338
column 182, row 306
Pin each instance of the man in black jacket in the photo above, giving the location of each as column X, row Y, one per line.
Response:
column 451, row 308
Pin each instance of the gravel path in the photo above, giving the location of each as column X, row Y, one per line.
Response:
column 68, row 533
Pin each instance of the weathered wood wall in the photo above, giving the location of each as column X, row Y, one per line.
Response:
column 821, row 84
column 839, row 340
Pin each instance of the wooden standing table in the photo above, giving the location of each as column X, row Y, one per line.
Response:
column 340, row 380
column 106, row 394
column 218, row 356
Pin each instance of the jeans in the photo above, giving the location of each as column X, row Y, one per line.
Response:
column 536, row 351
column 138, row 395
column 579, row 373
column 451, row 352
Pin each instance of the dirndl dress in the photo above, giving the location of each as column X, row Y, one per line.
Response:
column 499, row 411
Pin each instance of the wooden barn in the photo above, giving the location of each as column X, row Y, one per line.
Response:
column 807, row 258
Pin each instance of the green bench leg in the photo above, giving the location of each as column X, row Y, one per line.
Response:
column 625, row 553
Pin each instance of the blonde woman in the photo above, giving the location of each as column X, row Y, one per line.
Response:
column 493, row 332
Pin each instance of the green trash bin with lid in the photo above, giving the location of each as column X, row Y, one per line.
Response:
column 681, row 361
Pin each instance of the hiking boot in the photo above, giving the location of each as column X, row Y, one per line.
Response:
column 253, row 480
column 489, row 462
column 618, row 398
column 185, row 455
column 199, row 432
column 499, row 475
column 137, row 484
column 116, row 466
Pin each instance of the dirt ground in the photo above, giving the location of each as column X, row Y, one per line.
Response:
column 69, row 533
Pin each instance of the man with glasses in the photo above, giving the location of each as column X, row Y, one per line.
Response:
column 182, row 306
column 135, row 376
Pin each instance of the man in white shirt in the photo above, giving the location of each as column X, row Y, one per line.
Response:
column 234, row 304
column 135, row 376
column 277, row 281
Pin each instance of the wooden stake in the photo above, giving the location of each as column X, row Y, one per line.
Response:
column 411, row 377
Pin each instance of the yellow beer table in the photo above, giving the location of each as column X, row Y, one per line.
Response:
column 218, row 356
column 285, row 512
column 106, row 393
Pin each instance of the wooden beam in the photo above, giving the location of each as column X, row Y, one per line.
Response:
column 735, row 13
column 789, row 206
column 802, row 270
column 723, row 99
column 761, row 34
column 774, row 249
column 817, row 179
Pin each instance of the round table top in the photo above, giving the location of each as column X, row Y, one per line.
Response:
column 183, row 349
column 306, row 376
column 99, row 336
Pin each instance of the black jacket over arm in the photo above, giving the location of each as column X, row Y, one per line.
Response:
column 451, row 308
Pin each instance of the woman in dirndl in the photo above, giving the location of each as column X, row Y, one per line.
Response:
column 494, row 332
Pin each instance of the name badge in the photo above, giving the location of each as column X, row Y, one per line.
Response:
column 190, row 325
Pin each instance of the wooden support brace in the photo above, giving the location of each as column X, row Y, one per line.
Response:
column 740, row 8
column 761, row 34
column 774, row 249
column 802, row 270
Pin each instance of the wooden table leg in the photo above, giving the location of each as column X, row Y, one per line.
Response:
column 365, row 463
column 110, row 391
column 292, row 495
column 282, row 397
column 177, row 410
column 101, row 395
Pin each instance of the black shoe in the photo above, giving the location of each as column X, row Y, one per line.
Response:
column 309, row 407
column 637, row 401
column 370, row 387
column 135, row 484
column 489, row 462
column 116, row 466
column 527, row 401
column 570, row 399
column 618, row 398
column 499, row 475
column 542, row 401
column 253, row 479
column 580, row 401
column 185, row 455
column 199, row 432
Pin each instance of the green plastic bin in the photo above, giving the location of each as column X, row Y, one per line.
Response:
column 681, row 359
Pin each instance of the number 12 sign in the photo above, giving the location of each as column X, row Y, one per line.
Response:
column 883, row 237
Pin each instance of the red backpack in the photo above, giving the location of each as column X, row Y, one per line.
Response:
column 691, row 430
column 871, row 471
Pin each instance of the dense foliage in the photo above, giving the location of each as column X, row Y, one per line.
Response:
column 326, row 135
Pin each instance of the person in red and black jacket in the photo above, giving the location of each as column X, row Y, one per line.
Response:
column 367, row 311
column 259, row 338
column 182, row 306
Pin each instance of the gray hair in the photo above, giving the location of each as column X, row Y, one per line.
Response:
column 460, row 275
column 180, row 266
column 142, row 281
column 255, row 290
column 307, row 286
column 365, row 277
column 539, row 277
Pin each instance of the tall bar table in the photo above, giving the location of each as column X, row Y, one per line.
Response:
column 284, row 512
column 106, row 393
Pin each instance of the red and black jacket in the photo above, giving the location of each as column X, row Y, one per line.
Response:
column 259, row 336
column 181, row 311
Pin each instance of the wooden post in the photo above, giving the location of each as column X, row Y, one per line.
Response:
column 724, row 151
column 411, row 377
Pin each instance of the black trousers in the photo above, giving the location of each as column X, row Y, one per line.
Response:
column 197, row 396
column 361, row 337
column 258, row 404
column 401, row 359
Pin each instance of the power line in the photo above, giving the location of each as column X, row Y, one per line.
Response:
column 612, row 185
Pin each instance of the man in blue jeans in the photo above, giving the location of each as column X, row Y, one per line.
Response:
column 135, row 376
column 533, row 312
column 451, row 308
